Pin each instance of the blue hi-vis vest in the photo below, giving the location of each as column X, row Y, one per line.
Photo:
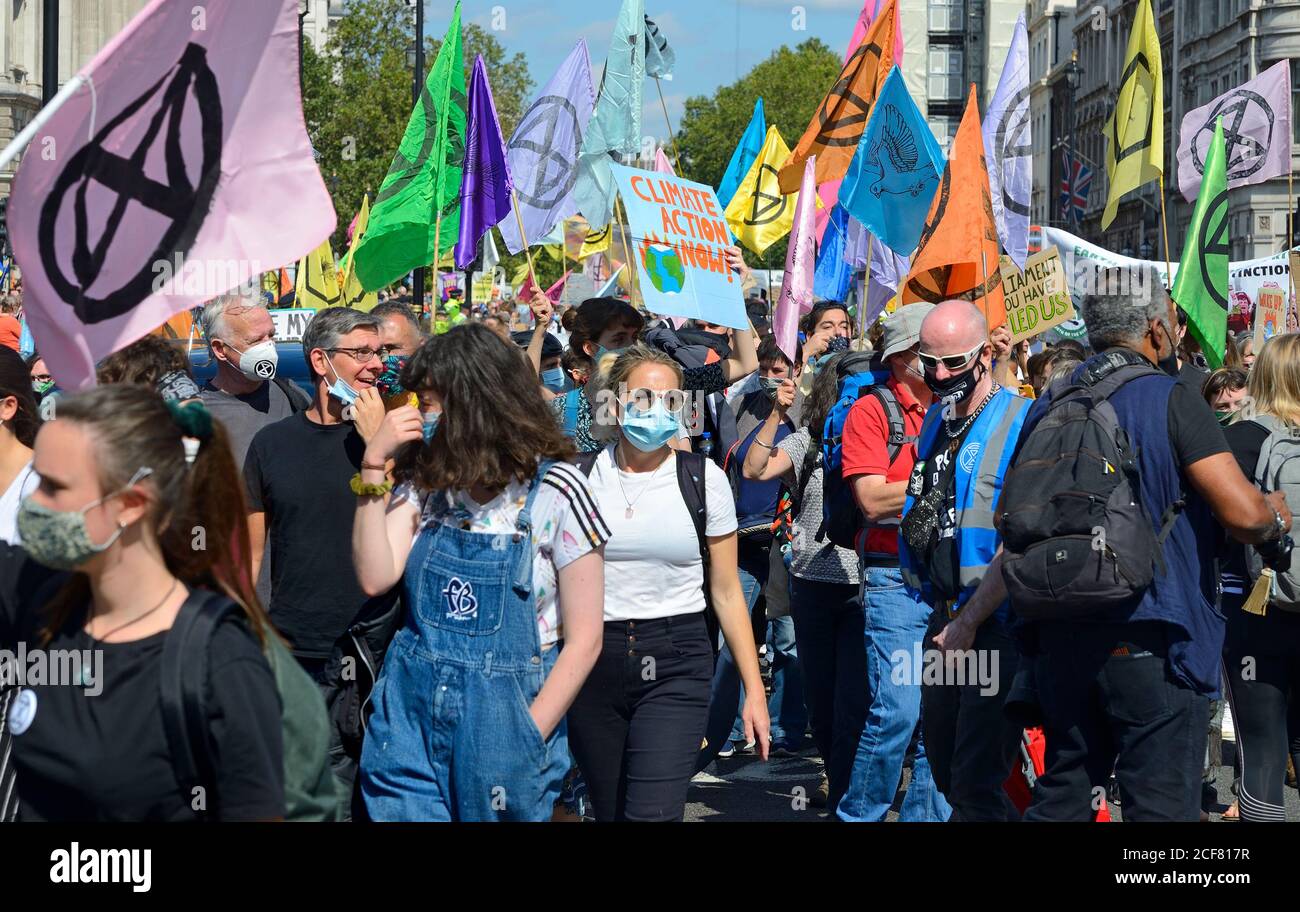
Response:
column 978, row 478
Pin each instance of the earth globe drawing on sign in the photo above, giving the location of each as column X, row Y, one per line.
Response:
column 664, row 267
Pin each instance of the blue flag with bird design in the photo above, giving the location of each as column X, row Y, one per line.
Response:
column 895, row 170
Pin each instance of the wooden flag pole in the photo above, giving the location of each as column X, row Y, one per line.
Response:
column 677, row 156
column 631, row 267
column 437, row 266
column 519, row 220
column 1169, row 269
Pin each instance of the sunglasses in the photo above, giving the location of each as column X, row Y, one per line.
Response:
column 643, row 399
column 952, row 362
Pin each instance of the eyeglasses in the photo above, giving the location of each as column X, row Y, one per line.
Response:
column 952, row 362
column 643, row 399
column 41, row 378
column 386, row 350
column 360, row 355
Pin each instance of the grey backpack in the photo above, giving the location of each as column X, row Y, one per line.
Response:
column 1278, row 469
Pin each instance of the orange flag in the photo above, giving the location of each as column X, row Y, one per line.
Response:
column 837, row 126
column 958, row 253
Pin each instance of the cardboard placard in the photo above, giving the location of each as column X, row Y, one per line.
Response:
column 1036, row 299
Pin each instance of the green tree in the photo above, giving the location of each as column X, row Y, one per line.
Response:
column 357, row 95
column 792, row 83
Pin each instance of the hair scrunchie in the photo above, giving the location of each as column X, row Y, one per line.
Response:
column 193, row 419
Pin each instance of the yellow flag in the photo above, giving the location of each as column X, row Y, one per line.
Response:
column 354, row 295
column 1135, row 133
column 596, row 241
column 318, row 283
column 759, row 214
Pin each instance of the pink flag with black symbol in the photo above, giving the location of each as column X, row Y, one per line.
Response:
column 157, row 186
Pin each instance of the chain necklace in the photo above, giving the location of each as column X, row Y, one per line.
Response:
column 618, row 474
column 970, row 419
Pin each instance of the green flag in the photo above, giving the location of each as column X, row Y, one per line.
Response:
column 423, row 179
column 1201, row 287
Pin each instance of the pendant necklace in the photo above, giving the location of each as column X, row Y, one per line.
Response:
column 627, row 514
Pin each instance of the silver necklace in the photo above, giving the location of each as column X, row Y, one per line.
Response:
column 618, row 474
column 970, row 419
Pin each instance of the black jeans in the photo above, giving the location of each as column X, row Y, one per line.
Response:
column 1261, row 657
column 1109, row 702
column 970, row 742
column 636, row 726
column 828, row 625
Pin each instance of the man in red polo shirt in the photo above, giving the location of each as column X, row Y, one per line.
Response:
column 895, row 622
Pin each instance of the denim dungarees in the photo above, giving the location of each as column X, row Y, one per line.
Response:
column 451, row 737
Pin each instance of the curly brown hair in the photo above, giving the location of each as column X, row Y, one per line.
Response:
column 145, row 361
column 495, row 426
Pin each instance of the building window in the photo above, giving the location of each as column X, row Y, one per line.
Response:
column 944, row 129
column 947, row 73
column 947, row 15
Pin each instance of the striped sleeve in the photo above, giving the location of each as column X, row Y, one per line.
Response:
column 576, row 526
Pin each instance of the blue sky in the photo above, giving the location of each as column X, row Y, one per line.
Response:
column 717, row 41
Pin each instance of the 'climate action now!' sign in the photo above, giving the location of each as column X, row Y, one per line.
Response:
column 1037, row 299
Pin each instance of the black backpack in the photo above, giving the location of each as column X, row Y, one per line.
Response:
column 690, row 481
column 1076, row 538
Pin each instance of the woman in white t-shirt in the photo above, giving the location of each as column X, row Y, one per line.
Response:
column 637, row 724
column 498, row 545
column 18, row 425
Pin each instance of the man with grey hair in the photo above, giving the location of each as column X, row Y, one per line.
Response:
column 245, row 394
column 1133, row 681
column 947, row 545
column 297, row 474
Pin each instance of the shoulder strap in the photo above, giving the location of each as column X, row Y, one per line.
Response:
column 691, row 481
column 297, row 398
column 183, row 679
column 894, row 415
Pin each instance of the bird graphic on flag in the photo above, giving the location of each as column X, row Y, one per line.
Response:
column 1075, row 185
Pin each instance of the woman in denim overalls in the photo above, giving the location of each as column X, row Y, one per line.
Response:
column 468, row 719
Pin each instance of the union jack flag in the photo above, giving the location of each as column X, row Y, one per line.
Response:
column 1076, row 181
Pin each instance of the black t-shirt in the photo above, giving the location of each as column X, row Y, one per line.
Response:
column 297, row 472
column 942, row 563
column 1192, row 377
column 100, row 752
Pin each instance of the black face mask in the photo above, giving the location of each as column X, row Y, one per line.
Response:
column 959, row 387
column 1169, row 363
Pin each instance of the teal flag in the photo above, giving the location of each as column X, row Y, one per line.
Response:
column 616, row 125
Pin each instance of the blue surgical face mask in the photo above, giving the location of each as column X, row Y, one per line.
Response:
column 430, row 425
column 342, row 391
column 650, row 429
column 553, row 379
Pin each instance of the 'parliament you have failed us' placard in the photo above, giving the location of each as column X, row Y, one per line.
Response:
column 679, row 234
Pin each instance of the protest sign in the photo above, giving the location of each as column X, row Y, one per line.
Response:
column 1270, row 315
column 1037, row 298
column 577, row 289
column 679, row 236
column 290, row 322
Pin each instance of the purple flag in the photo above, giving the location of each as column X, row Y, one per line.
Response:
column 1008, row 148
column 796, row 297
column 544, row 150
column 485, row 186
column 1256, row 128
column 887, row 274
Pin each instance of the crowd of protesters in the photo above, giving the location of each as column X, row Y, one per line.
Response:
column 523, row 565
